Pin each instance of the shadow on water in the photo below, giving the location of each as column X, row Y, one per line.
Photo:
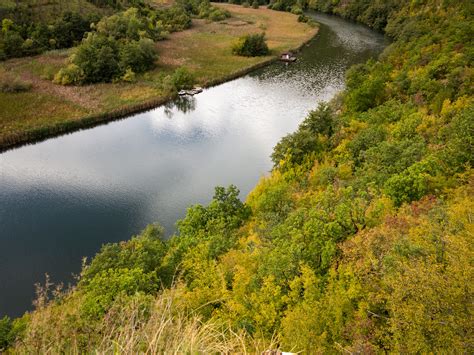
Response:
column 61, row 199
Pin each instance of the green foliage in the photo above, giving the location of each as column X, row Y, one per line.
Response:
column 144, row 252
column 204, row 9
column 295, row 146
column 182, row 78
column 123, row 25
column 118, row 4
column 98, row 58
column 360, row 239
column 118, row 49
column 251, row 46
column 70, row 75
column 309, row 140
column 366, row 86
column 139, row 56
column 129, row 76
column 5, row 329
column 11, row 330
column 174, row 18
column 215, row 222
column 23, row 39
column 110, row 285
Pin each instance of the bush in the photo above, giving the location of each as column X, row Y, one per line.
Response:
column 207, row 11
column 121, row 47
column 13, row 44
column 5, row 328
column 70, row 75
column 175, row 18
column 9, row 85
column 98, row 58
column 410, row 185
column 129, row 76
column 137, row 55
column 296, row 10
column 124, row 25
column 110, row 284
column 182, row 79
column 23, row 39
column 296, row 146
column 251, row 46
column 255, row 4
column 11, row 330
column 218, row 14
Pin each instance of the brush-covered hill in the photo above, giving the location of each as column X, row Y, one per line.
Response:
column 360, row 240
column 48, row 10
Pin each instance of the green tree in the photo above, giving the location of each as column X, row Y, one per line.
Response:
column 253, row 45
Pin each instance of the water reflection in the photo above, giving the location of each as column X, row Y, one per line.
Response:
column 184, row 104
column 62, row 198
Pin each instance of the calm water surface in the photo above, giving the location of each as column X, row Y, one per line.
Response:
column 61, row 199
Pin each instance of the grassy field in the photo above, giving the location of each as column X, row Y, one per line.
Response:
column 48, row 109
column 49, row 10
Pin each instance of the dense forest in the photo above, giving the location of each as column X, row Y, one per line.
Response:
column 360, row 239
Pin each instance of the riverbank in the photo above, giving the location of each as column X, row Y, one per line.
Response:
column 48, row 110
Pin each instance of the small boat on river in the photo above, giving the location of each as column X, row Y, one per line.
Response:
column 288, row 57
column 191, row 92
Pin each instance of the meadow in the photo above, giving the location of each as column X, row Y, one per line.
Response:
column 48, row 109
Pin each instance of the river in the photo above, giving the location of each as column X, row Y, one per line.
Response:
column 62, row 198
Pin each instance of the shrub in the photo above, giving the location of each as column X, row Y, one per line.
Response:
column 13, row 44
column 13, row 85
column 251, row 46
column 10, row 330
column 175, row 18
column 218, row 15
column 207, row 11
column 410, row 185
column 5, row 328
column 121, row 47
column 108, row 285
column 97, row 57
column 129, row 76
column 122, row 25
column 182, row 79
column 137, row 55
column 296, row 10
column 296, row 146
column 70, row 75
column 255, row 4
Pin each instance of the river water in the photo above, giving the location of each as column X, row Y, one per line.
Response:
column 61, row 199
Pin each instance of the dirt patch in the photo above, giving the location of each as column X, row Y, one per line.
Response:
column 78, row 95
column 236, row 23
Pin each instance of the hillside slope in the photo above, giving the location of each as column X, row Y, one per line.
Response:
column 47, row 10
column 360, row 240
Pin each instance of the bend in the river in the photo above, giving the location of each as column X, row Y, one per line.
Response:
column 61, row 199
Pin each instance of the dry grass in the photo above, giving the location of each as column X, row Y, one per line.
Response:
column 140, row 325
column 205, row 49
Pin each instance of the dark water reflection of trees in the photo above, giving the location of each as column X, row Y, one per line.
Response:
column 185, row 104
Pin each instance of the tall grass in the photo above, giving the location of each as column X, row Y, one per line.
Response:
column 141, row 325
column 10, row 84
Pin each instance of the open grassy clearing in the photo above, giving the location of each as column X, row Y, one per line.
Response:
column 205, row 49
